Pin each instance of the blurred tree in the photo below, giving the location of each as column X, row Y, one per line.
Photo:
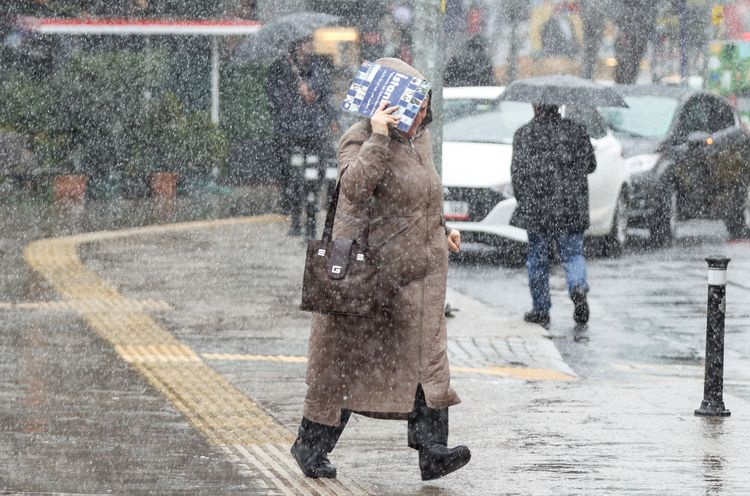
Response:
column 199, row 9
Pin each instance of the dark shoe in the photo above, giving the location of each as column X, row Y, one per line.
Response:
column 436, row 460
column 313, row 462
column 581, row 310
column 534, row 317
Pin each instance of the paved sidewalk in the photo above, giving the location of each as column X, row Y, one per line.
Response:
column 195, row 353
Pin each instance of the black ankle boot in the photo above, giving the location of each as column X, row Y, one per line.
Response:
column 437, row 460
column 314, row 442
column 313, row 460
column 581, row 310
column 428, row 433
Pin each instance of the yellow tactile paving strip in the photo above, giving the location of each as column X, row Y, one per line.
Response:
column 74, row 305
column 222, row 413
column 524, row 373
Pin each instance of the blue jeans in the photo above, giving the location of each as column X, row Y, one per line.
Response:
column 570, row 248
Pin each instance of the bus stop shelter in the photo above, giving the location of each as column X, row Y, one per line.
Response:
column 141, row 27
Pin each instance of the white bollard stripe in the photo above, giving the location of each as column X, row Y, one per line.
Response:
column 717, row 277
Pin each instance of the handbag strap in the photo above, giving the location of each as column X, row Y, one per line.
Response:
column 331, row 214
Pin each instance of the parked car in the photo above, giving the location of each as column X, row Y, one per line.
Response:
column 463, row 101
column 477, row 151
column 687, row 157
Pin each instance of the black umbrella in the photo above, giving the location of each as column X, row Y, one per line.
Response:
column 275, row 37
column 563, row 89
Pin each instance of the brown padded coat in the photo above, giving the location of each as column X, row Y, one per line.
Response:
column 373, row 366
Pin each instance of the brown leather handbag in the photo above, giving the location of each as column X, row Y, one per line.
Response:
column 340, row 274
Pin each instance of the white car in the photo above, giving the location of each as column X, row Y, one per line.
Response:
column 477, row 150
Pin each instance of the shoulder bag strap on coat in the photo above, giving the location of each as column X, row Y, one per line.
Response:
column 331, row 214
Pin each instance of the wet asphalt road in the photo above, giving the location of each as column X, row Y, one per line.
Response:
column 648, row 306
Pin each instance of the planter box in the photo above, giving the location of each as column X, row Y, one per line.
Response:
column 163, row 184
column 70, row 187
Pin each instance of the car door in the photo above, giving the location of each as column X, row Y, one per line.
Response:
column 606, row 181
column 727, row 169
column 692, row 153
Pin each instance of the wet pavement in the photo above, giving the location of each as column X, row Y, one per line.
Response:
column 170, row 360
column 648, row 306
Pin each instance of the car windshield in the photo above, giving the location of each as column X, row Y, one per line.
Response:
column 496, row 125
column 647, row 116
column 457, row 108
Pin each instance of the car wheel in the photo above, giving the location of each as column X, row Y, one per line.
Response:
column 615, row 240
column 738, row 219
column 663, row 225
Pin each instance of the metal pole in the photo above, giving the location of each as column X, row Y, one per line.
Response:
column 429, row 52
column 215, row 79
column 713, row 386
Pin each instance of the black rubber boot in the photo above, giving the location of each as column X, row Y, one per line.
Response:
column 581, row 306
column 436, row 460
column 314, row 442
column 428, row 433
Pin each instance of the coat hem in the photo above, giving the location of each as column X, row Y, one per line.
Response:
column 396, row 410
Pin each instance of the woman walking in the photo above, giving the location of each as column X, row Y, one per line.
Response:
column 395, row 364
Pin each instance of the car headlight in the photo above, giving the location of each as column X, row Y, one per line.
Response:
column 639, row 164
column 505, row 190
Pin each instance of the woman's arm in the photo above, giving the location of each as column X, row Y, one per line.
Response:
column 366, row 157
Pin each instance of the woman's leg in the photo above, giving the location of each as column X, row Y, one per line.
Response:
column 426, row 425
column 428, row 433
column 314, row 442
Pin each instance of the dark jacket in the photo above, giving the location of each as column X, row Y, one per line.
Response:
column 291, row 116
column 472, row 66
column 551, row 158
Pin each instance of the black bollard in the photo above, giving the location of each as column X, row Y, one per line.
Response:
column 713, row 386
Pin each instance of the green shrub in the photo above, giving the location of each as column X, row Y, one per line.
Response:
column 203, row 148
column 244, row 103
column 100, row 102
column 24, row 105
column 107, row 115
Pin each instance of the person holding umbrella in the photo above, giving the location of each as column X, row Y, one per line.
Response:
column 303, row 118
column 552, row 157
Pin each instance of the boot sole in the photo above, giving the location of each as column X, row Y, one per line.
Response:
column 311, row 473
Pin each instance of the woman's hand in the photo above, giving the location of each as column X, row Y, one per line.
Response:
column 383, row 117
column 454, row 241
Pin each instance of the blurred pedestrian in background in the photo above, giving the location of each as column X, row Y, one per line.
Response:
column 471, row 66
column 395, row 364
column 303, row 117
column 552, row 157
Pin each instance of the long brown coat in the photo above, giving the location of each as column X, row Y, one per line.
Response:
column 374, row 365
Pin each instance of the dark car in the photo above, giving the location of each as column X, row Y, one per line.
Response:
column 687, row 155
